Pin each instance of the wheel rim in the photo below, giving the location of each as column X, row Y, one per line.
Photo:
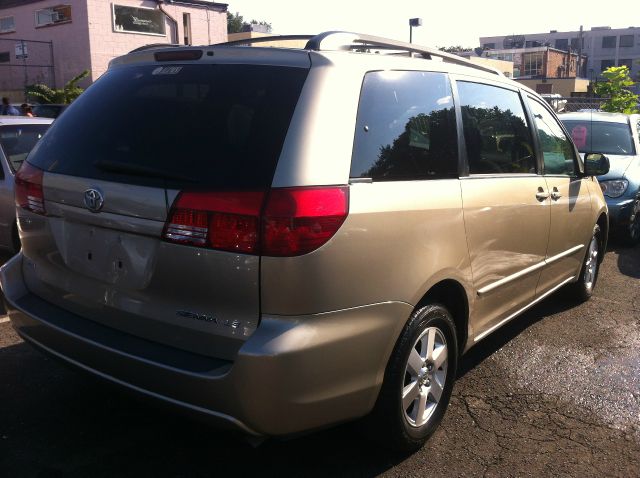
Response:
column 424, row 377
column 634, row 226
column 591, row 265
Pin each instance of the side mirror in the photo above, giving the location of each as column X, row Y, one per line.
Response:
column 595, row 164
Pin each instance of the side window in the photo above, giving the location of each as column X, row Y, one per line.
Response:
column 406, row 127
column 496, row 134
column 558, row 152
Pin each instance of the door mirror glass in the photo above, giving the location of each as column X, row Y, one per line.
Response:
column 595, row 164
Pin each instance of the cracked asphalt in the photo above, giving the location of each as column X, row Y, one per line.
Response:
column 554, row 393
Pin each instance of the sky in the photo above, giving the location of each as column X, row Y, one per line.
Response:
column 444, row 22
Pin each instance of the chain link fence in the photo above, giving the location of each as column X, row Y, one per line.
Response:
column 574, row 103
column 25, row 62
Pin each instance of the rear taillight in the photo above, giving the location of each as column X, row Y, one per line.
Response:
column 282, row 222
column 28, row 190
column 299, row 220
column 223, row 220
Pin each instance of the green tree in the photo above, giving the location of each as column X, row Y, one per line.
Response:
column 65, row 95
column 234, row 22
column 616, row 89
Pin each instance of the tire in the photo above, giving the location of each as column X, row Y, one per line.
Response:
column 15, row 239
column 424, row 378
column 583, row 289
column 631, row 235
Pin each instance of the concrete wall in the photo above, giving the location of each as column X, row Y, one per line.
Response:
column 562, row 86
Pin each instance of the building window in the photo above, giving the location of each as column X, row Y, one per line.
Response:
column 562, row 44
column 7, row 24
column 532, row 44
column 575, row 43
column 604, row 64
column 489, row 46
column 626, row 40
column 144, row 21
column 628, row 62
column 53, row 15
column 5, row 57
column 608, row 42
column 532, row 64
column 186, row 27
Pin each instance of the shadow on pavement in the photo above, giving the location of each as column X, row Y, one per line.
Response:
column 628, row 259
column 554, row 304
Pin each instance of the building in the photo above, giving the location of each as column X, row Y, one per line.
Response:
column 51, row 41
column 603, row 47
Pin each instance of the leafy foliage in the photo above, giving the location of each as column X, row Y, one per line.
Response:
column 236, row 23
column 621, row 100
column 64, row 95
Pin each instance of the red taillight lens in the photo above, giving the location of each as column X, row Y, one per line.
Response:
column 294, row 221
column 222, row 220
column 28, row 190
column 299, row 220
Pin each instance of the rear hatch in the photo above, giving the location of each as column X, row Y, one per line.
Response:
column 117, row 243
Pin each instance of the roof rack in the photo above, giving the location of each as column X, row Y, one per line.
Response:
column 347, row 41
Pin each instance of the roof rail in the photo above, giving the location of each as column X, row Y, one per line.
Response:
column 250, row 41
column 348, row 41
column 151, row 46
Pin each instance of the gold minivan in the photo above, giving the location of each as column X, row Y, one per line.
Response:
column 284, row 239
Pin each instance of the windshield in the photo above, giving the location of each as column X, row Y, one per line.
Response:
column 601, row 137
column 17, row 140
column 218, row 124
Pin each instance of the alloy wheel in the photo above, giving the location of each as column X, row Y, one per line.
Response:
column 425, row 376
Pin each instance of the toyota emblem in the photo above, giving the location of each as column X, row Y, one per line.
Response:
column 93, row 199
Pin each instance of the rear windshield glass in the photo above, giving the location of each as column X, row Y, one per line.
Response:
column 18, row 140
column 601, row 137
column 178, row 126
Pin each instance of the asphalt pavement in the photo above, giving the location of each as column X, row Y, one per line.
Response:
column 554, row 393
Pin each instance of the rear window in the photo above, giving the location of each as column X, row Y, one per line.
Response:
column 180, row 126
column 601, row 137
column 18, row 140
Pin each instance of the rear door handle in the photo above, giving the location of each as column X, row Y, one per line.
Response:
column 555, row 194
column 541, row 195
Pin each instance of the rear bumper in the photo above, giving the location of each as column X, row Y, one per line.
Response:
column 293, row 374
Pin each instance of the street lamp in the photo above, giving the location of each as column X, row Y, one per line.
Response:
column 413, row 22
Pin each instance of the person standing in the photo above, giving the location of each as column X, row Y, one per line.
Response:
column 7, row 108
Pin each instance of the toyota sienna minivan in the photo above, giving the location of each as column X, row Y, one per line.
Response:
column 284, row 239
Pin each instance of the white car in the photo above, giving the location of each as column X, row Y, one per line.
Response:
column 18, row 135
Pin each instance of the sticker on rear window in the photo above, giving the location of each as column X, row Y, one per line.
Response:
column 167, row 70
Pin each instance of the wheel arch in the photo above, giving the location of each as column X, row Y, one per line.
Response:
column 451, row 294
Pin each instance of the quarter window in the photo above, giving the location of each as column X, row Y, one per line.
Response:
column 496, row 134
column 406, row 127
column 557, row 150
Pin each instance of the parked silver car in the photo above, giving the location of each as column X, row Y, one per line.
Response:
column 286, row 239
column 18, row 135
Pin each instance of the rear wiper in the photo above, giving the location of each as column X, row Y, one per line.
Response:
column 138, row 170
